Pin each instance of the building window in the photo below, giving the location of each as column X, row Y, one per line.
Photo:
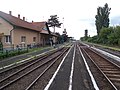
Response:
column 23, row 39
column 7, row 39
column 34, row 39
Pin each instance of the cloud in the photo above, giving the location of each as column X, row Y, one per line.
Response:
column 115, row 20
column 90, row 21
column 78, row 14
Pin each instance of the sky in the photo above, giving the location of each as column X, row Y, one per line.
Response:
column 76, row 15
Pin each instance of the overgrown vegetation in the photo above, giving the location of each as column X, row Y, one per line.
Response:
column 108, row 36
column 105, row 34
column 102, row 17
column 54, row 22
column 11, row 53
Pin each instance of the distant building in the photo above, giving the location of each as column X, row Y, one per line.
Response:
column 17, row 32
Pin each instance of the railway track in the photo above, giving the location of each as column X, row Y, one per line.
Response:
column 26, row 74
column 16, row 69
column 35, row 60
column 110, row 70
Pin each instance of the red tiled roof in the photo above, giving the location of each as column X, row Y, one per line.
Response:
column 41, row 25
column 44, row 32
column 19, row 22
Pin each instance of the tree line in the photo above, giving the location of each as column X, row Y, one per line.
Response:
column 108, row 36
column 105, row 34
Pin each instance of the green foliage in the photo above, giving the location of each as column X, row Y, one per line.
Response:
column 119, row 41
column 59, row 39
column 53, row 21
column 2, row 55
column 104, row 34
column 86, row 34
column 1, row 47
column 102, row 17
column 117, row 32
column 93, row 39
column 90, row 39
column 82, row 38
column 64, row 37
column 108, row 36
column 12, row 53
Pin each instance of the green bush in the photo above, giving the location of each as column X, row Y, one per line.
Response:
column 12, row 53
column 119, row 41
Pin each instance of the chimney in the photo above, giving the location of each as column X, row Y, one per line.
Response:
column 19, row 16
column 23, row 18
column 10, row 12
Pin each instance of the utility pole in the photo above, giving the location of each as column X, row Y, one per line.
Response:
column 63, row 23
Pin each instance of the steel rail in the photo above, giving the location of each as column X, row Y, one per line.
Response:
column 2, row 87
column 21, row 69
column 47, row 54
column 105, row 58
column 100, row 69
column 30, row 86
column 24, row 68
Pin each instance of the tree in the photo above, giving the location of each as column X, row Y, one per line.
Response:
column 102, row 17
column 59, row 38
column 54, row 22
column 1, row 46
column 64, row 35
column 86, row 34
column 114, row 37
column 104, row 34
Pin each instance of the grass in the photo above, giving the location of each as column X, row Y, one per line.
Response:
column 37, row 49
column 20, row 52
column 116, row 48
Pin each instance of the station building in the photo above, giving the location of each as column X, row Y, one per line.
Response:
column 16, row 32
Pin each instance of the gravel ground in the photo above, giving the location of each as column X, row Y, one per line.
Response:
column 14, row 59
column 61, row 81
column 25, row 81
column 11, row 60
column 100, row 79
column 43, row 81
column 114, row 52
column 111, row 51
column 81, row 79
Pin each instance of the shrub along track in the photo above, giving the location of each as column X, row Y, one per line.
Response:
column 19, row 77
column 108, row 76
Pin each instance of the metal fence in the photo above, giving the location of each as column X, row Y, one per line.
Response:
column 13, row 50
